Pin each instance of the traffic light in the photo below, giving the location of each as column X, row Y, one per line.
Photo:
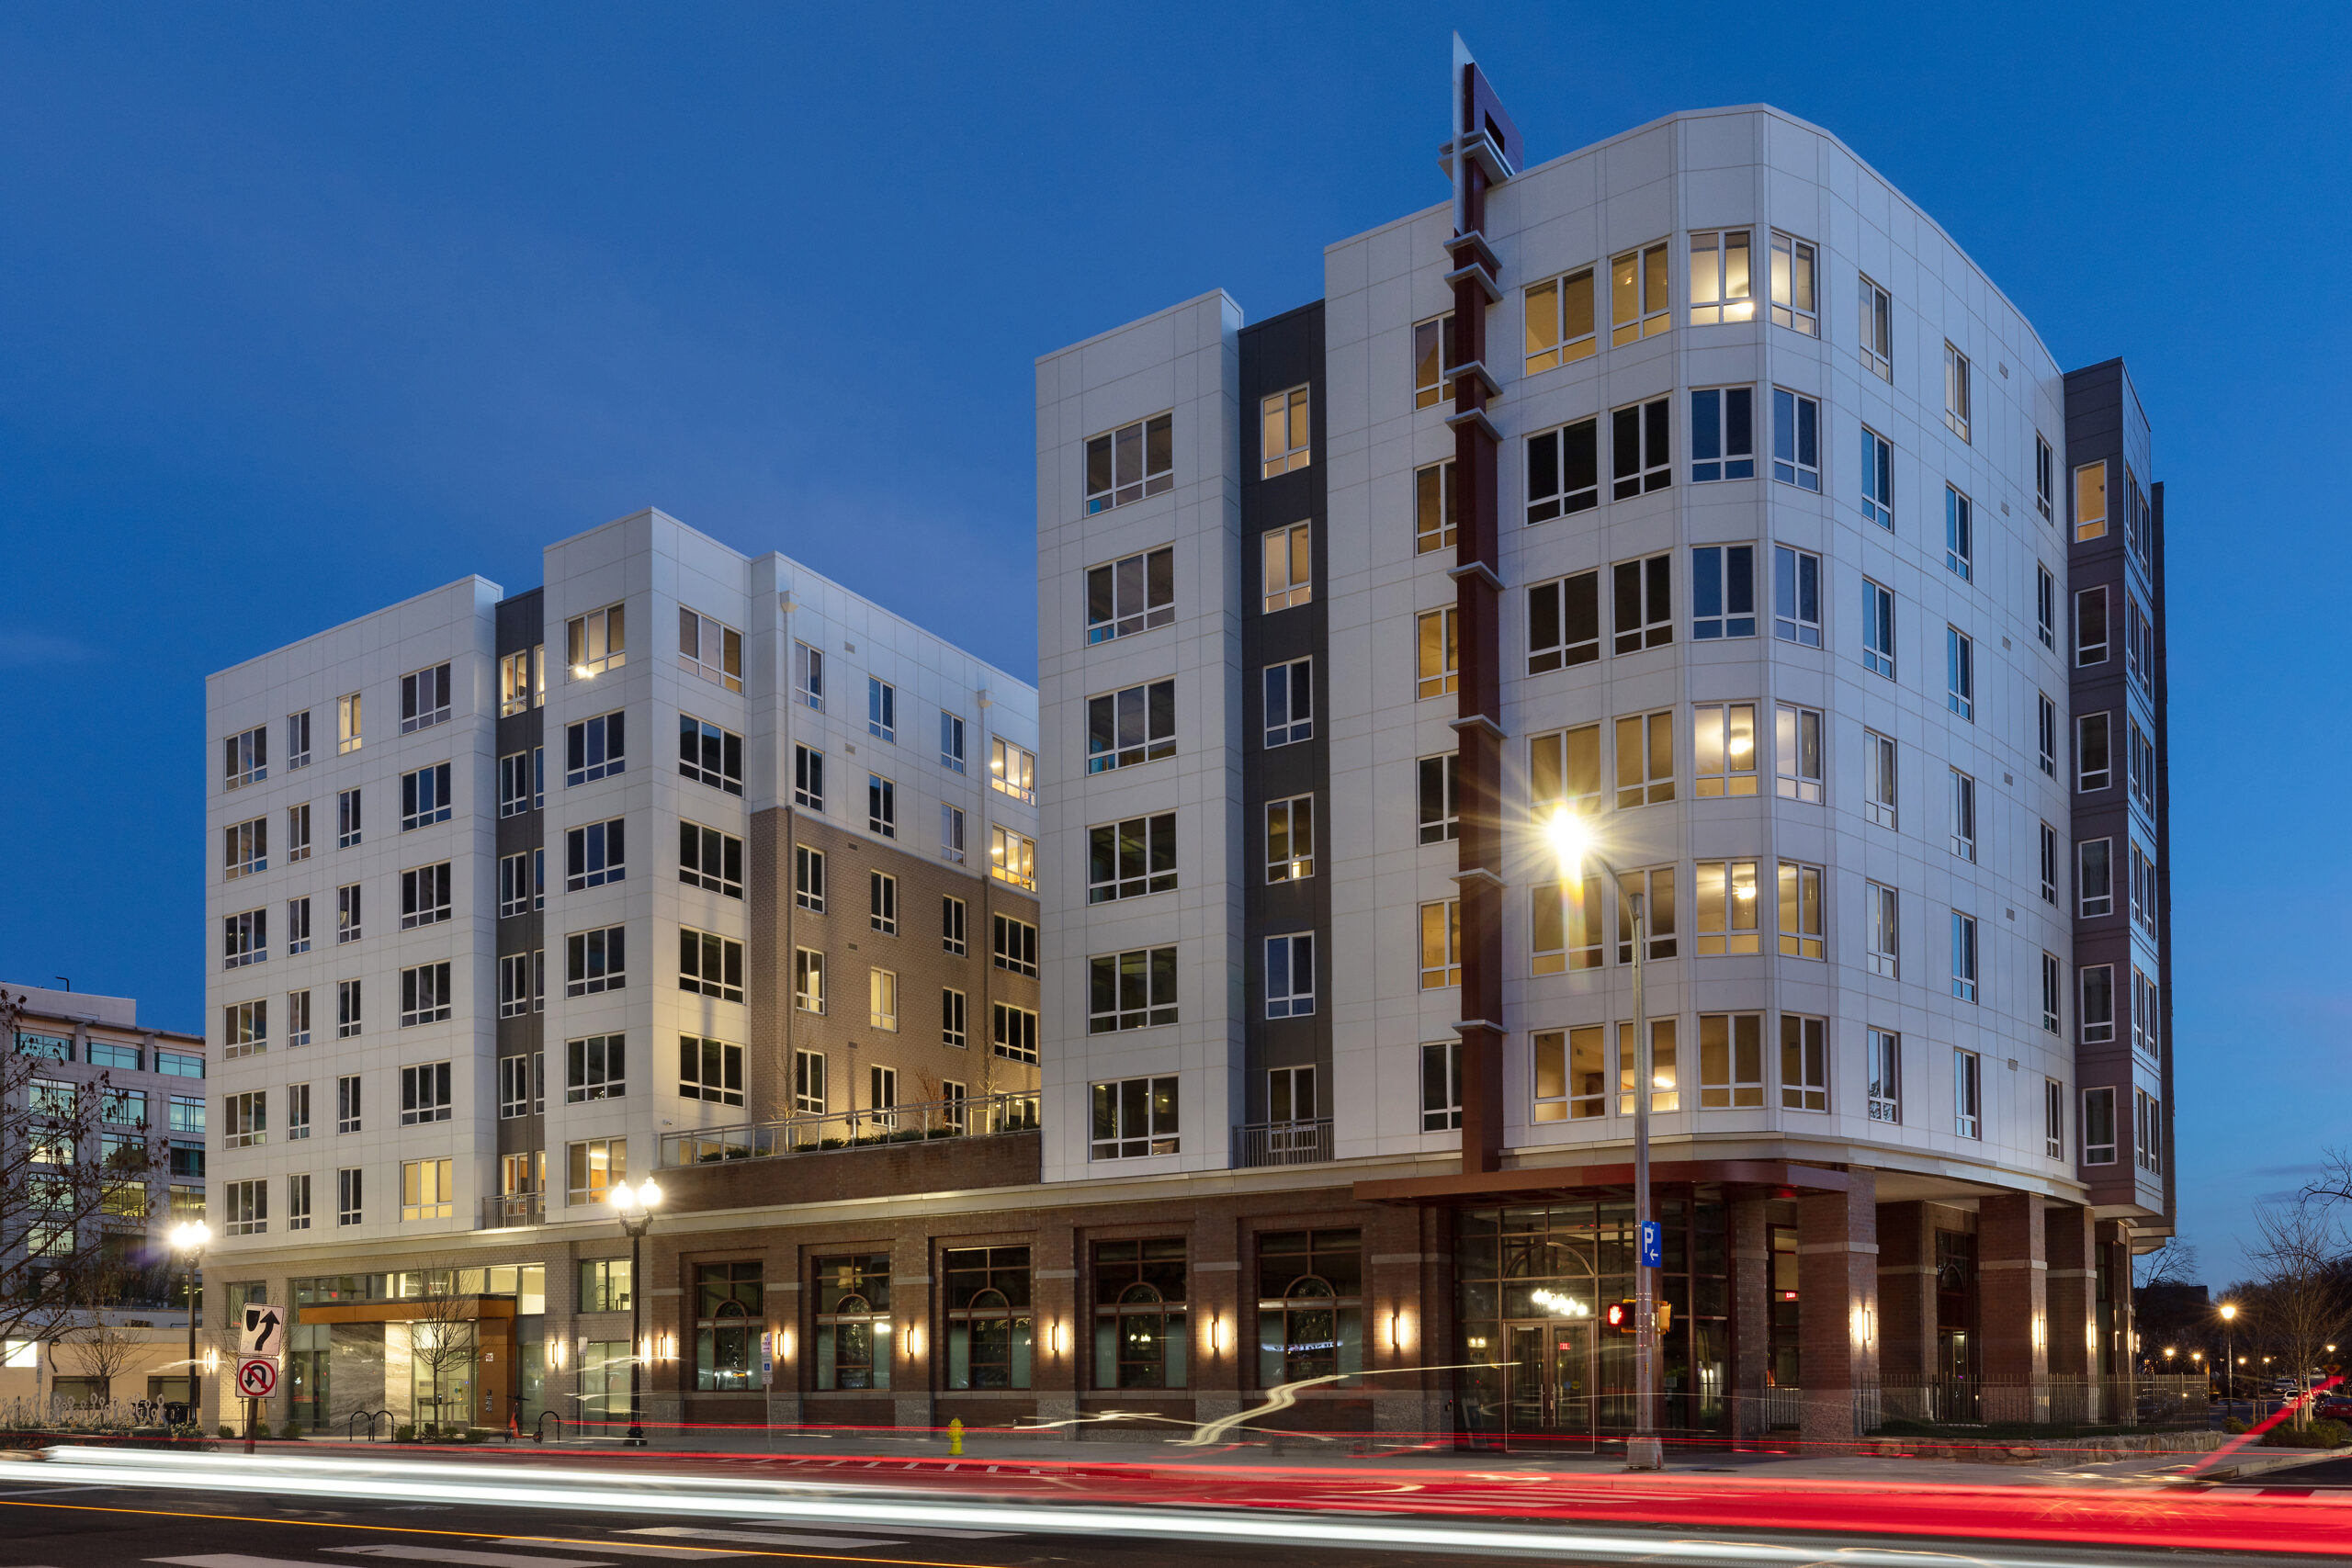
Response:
column 1624, row 1317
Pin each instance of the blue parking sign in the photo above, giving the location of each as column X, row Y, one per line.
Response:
column 1653, row 1244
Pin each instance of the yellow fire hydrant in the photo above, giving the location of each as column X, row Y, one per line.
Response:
column 956, row 1436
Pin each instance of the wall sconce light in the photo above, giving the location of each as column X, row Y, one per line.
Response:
column 645, row 1350
column 784, row 1344
column 1395, row 1331
column 2040, row 1332
column 1217, row 1337
column 555, row 1354
column 914, row 1343
column 1059, row 1337
column 212, row 1361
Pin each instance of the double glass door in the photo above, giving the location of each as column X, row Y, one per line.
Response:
column 1551, row 1388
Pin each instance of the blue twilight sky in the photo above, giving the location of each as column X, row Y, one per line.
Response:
column 305, row 309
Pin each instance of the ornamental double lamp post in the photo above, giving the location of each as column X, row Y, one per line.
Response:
column 190, row 1239
column 635, row 1207
column 1573, row 843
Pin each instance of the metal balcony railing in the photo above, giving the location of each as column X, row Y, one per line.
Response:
column 1282, row 1143
column 977, row 1117
column 513, row 1209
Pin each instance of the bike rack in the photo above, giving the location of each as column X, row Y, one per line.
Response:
column 539, row 1428
column 371, row 1418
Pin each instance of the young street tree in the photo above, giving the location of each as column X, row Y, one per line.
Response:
column 442, row 1342
column 2298, row 1303
column 102, row 1351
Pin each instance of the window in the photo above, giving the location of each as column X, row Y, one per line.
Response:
column 1441, row 944
column 520, row 889
column 1803, row 925
column 298, row 740
column 1134, row 1118
column 595, row 961
column 2053, row 986
column 1559, row 322
column 2144, row 767
column 1645, row 603
column 1959, row 530
column 428, row 1189
column 297, row 1027
column 347, row 724
column 1290, row 975
column 246, row 848
column 1796, row 438
column 522, row 681
column 1126, row 727
column 2143, row 891
column 2138, row 523
column 988, row 1323
column 951, row 1017
column 1434, row 522
column 1723, row 592
column 244, row 1029
column 1723, row 750
column 2139, row 646
column 1564, row 772
column 1722, row 285
column 2046, row 733
column 1960, row 673
column 605, row 1284
column 1639, row 461
column 1133, row 594
column 596, row 1069
column 1878, row 479
column 187, row 1115
column 347, row 926
column 1722, row 433
column 1564, row 471
column 346, row 1104
column 298, row 833
column 346, row 819
column 1290, row 702
column 1570, row 1082
column 808, row 1083
column 1665, row 1094
column 346, row 1009
column 1012, row 857
column 1637, row 298
column 1282, row 418
column 951, row 923
column 246, row 756
column 951, row 741
column 247, row 1207
column 2090, row 625
column 1645, row 760
column 592, row 1167
column 425, row 796
column 2094, row 878
column 1963, row 816
column 1956, row 391
column 1433, row 355
column 853, row 1343
column 1013, row 1032
column 2148, row 1128
column 1797, row 753
column 1882, row 1076
column 1310, row 1307
column 706, row 858
column 2048, row 863
column 1563, row 622
column 2099, row 1126
column 710, row 648
column 1963, row 956
column 950, row 832
column 1877, row 338
column 1131, row 859
column 244, row 939
column 808, row 778
column 1439, row 798
column 425, row 895
column 522, row 983
column 2094, row 763
column 728, row 1331
column 347, row 1206
column 521, row 1087
column 710, row 965
column 1289, row 567
column 1131, row 990
column 1437, row 659
column 881, row 709
column 709, row 1069
column 1804, row 1062
column 1013, row 944
column 1883, row 914
column 424, row 698
column 1727, row 908
column 1129, row 463
column 808, row 980
column 1796, row 596
column 516, row 785
column 2090, row 501
column 710, row 755
column 1441, row 1086
column 1565, row 926
column 596, row 642
column 881, row 806
column 1793, row 304
column 1968, row 1094
column 425, row 1093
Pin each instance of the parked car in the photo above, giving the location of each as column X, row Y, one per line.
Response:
column 2332, row 1406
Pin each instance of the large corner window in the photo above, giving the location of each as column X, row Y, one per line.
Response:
column 1129, row 463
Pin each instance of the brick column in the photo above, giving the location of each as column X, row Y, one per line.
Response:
column 1214, row 1362
column 792, row 1345
column 1054, row 1358
column 1751, row 1314
column 1838, row 1301
column 1405, row 1274
column 2070, row 1234
column 1906, row 1286
column 912, row 1378
column 2012, row 1315
column 664, row 1323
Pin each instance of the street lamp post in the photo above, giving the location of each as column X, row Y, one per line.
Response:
column 189, row 1237
column 1572, row 840
column 635, row 1210
column 2229, row 1352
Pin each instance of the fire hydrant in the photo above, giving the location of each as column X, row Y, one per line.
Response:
column 956, row 1436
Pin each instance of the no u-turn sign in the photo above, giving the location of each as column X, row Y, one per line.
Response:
column 257, row 1378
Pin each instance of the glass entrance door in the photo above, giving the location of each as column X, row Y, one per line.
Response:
column 1550, row 1389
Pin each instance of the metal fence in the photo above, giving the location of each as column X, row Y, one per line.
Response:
column 1282, row 1143
column 2058, row 1402
column 513, row 1209
column 976, row 1117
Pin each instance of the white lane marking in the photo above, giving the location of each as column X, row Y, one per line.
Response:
column 237, row 1559
column 768, row 1538
column 474, row 1559
column 898, row 1528
column 621, row 1548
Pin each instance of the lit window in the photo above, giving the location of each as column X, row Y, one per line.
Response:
column 2090, row 501
column 1645, row 760
column 1559, row 322
column 1564, row 772
column 1283, row 418
column 596, row 642
column 1565, row 926
column 1012, row 770
column 1441, row 944
column 1731, row 1060
column 1654, row 891
column 522, row 681
column 1727, row 908
column 1012, row 858
column 1571, row 1084
column 1434, row 522
column 1289, row 839
column 1722, row 284
column 1723, row 749
column 1797, row 753
column 347, row 724
column 1637, row 297
column 1803, row 930
column 1432, row 358
column 1793, row 304
column 1289, row 564
column 1436, row 667
column 882, row 999
column 1665, row 1096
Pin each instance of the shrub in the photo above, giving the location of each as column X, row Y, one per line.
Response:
column 224, row 1430
column 403, row 1434
column 2234, row 1427
column 2318, row 1435
column 261, row 1428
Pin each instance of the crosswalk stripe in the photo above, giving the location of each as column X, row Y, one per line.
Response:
column 407, row 1552
column 893, row 1527
column 624, row 1549
column 769, row 1538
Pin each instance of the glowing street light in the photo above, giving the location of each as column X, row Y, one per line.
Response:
column 2230, row 1361
column 190, row 1239
column 635, row 1207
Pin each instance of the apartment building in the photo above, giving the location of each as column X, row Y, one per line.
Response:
column 682, row 854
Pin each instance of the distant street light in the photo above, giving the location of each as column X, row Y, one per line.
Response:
column 2229, row 1350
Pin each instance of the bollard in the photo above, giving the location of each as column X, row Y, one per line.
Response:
column 956, row 1436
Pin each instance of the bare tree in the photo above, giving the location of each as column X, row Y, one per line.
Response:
column 2174, row 1263
column 2297, row 1304
column 60, row 1186
column 102, row 1351
column 442, row 1337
